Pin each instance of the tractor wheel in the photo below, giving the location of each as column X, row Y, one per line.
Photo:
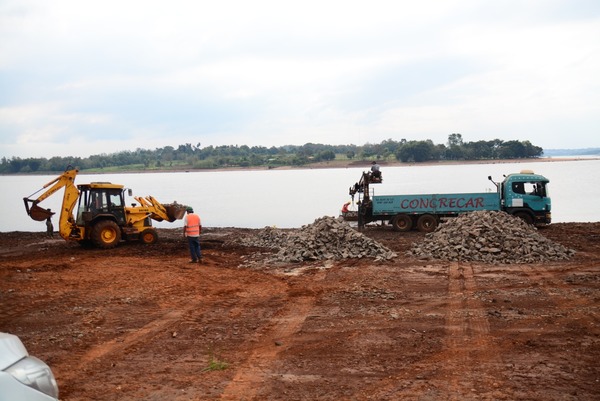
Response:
column 149, row 236
column 526, row 217
column 106, row 234
column 402, row 222
column 427, row 223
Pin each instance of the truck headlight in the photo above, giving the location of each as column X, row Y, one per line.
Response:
column 36, row 374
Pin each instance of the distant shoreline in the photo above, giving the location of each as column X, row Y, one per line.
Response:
column 367, row 163
column 382, row 163
column 332, row 165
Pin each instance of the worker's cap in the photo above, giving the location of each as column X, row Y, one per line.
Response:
column 190, row 209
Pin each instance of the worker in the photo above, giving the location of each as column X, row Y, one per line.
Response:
column 192, row 227
column 375, row 171
column 345, row 207
column 49, row 228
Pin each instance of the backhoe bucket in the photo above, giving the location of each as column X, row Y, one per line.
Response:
column 39, row 214
column 175, row 211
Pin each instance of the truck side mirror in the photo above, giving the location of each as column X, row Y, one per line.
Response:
column 129, row 192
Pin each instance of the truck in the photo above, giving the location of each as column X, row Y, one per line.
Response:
column 102, row 218
column 523, row 194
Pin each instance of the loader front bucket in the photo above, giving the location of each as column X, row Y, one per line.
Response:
column 175, row 211
column 39, row 214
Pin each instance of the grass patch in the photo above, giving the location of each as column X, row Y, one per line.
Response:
column 215, row 364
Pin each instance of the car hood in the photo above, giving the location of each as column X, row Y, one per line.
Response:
column 11, row 350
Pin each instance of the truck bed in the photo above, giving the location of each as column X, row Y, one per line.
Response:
column 435, row 203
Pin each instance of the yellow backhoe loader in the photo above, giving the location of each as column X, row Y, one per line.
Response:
column 102, row 218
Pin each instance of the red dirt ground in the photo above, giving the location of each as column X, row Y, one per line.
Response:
column 140, row 323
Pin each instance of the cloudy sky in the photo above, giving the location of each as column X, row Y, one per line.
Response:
column 88, row 77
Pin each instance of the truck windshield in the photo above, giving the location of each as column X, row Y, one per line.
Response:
column 535, row 188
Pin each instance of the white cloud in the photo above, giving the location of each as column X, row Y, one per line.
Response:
column 81, row 77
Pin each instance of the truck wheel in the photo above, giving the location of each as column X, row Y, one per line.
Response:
column 427, row 223
column 149, row 236
column 526, row 217
column 401, row 222
column 106, row 234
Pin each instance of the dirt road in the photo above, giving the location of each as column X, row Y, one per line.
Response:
column 140, row 323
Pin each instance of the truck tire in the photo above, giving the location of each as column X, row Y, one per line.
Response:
column 427, row 223
column 149, row 236
column 402, row 223
column 106, row 234
column 526, row 217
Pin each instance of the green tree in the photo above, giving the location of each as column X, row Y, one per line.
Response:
column 455, row 147
column 326, row 155
column 417, row 151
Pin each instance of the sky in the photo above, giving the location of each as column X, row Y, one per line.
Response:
column 79, row 78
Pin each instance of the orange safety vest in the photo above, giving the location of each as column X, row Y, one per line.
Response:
column 192, row 228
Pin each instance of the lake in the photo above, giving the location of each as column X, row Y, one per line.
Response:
column 292, row 198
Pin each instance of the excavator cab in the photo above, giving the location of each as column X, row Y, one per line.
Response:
column 100, row 200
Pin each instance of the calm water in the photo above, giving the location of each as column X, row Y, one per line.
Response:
column 292, row 198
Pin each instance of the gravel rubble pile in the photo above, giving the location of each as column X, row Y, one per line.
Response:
column 488, row 236
column 327, row 238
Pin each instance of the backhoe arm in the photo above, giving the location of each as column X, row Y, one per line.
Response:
column 66, row 221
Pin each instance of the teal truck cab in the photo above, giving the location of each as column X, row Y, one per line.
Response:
column 523, row 194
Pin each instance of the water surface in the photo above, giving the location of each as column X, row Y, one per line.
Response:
column 292, row 198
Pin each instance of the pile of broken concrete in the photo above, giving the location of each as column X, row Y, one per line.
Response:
column 491, row 237
column 327, row 238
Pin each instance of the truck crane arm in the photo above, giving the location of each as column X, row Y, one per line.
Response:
column 362, row 186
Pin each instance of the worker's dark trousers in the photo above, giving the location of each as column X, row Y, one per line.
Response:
column 195, row 251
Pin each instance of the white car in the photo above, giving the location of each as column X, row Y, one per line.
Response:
column 23, row 377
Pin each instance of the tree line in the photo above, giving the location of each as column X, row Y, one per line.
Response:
column 190, row 156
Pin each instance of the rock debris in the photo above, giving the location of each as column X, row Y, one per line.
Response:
column 489, row 236
column 328, row 238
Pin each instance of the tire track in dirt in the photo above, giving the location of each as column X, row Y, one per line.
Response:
column 472, row 358
column 468, row 360
column 184, row 309
column 120, row 344
column 548, row 282
column 566, row 308
column 250, row 376
column 165, row 320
